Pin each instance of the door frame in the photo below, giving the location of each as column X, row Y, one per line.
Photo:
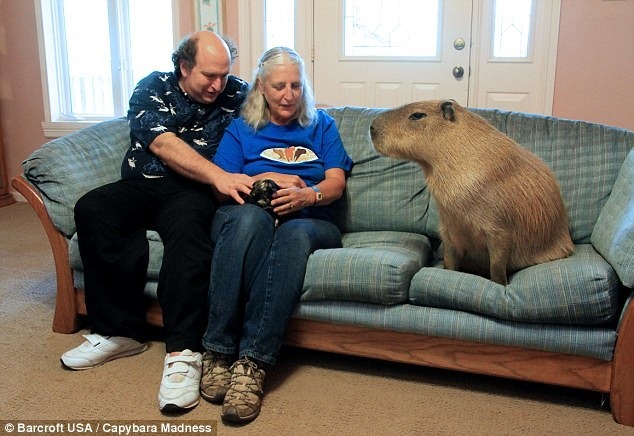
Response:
column 251, row 35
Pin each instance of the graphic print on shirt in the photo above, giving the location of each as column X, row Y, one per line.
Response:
column 289, row 155
column 195, row 133
column 159, row 105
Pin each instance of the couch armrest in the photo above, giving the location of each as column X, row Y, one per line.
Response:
column 65, row 318
column 66, row 168
column 613, row 234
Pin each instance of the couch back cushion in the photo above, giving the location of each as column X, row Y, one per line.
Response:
column 389, row 194
column 584, row 157
column 66, row 168
column 382, row 194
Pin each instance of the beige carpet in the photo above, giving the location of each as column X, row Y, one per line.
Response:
column 309, row 393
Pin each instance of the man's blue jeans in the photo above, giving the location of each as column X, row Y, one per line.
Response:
column 257, row 275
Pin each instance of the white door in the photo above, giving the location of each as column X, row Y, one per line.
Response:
column 507, row 62
column 513, row 66
column 377, row 53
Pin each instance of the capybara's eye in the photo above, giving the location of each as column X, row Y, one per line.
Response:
column 417, row 116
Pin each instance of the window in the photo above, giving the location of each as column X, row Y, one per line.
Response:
column 399, row 28
column 94, row 52
column 280, row 23
column 512, row 28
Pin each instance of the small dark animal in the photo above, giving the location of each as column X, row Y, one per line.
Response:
column 500, row 206
column 261, row 194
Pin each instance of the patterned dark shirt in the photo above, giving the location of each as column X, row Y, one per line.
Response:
column 159, row 105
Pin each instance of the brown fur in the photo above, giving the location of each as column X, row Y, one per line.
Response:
column 500, row 205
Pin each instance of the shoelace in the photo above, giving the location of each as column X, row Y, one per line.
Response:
column 217, row 369
column 245, row 382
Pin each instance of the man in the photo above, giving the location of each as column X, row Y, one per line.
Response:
column 168, row 182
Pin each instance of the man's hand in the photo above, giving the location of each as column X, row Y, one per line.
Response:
column 232, row 185
column 283, row 180
column 186, row 161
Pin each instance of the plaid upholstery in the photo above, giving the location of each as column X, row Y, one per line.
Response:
column 64, row 169
column 372, row 267
column 579, row 290
column 613, row 234
column 381, row 193
column 595, row 342
column 380, row 279
column 584, row 157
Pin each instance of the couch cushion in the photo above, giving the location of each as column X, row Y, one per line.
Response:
column 381, row 193
column 372, row 267
column 613, row 235
column 582, row 289
column 597, row 342
column 66, row 168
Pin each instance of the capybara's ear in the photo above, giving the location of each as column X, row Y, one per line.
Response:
column 447, row 110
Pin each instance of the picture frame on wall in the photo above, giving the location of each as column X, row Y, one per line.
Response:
column 209, row 15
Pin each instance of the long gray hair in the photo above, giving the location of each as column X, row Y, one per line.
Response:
column 255, row 110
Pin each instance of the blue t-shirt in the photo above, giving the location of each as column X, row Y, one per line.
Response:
column 159, row 105
column 303, row 151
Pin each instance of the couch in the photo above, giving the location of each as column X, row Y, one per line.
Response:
column 385, row 294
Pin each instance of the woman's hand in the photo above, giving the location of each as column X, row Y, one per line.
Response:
column 289, row 200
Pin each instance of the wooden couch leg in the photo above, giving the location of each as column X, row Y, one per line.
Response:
column 622, row 385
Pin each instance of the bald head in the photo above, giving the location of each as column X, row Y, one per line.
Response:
column 211, row 44
column 203, row 41
column 202, row 64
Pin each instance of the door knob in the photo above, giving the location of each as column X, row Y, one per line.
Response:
column 457, row 72
column 459, row 44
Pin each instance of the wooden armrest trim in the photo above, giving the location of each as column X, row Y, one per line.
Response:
column 65, row 318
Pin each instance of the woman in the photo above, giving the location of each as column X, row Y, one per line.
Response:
column 259, row 259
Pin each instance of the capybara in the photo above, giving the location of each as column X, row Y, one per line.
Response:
column 499, row 205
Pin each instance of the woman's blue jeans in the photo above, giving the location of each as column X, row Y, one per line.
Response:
column 257, row 275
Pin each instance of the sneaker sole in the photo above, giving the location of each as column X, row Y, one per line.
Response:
column 108, row 359
column 215, row 399
column 235, row 419
column 174, row 408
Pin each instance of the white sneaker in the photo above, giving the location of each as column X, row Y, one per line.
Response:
column 180, row 385
column 97, row 350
